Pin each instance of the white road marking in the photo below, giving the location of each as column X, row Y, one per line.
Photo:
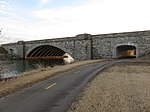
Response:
column 77, row 72
column 2, row 98
column 51, row 86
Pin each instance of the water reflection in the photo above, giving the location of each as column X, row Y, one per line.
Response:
column 12, row 68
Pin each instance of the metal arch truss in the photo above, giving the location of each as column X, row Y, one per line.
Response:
column 46, row 52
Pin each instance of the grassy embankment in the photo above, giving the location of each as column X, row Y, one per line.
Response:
column 124, row 87
column 32, row 77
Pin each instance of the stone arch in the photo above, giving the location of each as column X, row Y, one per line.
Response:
column 48, row 52
column 29, row 48
column 3, row 51
column 44, row 51
column 126, row 50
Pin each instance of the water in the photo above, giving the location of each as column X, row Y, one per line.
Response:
column 13, row 68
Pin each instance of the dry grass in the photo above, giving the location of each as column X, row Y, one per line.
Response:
column 130, row 68
column 122, row 88
column 32, row 77
column 147, row 57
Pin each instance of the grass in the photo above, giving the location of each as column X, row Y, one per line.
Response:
column 30, row 78
column 121, row 88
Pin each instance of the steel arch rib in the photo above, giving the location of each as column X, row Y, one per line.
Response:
column 53, row 53
column 39, row 52
column 34, row 51
column 58, row 53
column 46, row 52
column 42, row 54
column 31, row 52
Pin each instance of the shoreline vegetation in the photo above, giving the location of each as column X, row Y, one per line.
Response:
column 32, row 77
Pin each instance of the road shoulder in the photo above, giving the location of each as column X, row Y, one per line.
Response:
column 123, row 87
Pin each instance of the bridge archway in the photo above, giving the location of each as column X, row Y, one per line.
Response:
column 49, row 52
column 126, row 51
column 3, row 51
column 45, row 51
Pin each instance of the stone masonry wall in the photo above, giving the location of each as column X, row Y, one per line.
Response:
column 86, row 46
column 104, row 46
column 78, row 47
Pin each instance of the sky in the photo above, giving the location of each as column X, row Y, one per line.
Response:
column 46, row 19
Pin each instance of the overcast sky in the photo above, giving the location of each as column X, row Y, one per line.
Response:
column 46, row 19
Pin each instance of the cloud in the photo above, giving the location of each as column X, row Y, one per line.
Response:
column 44, row 1
column 16, row 29
column 93, row 16
column 98, row 17
column 5, row 7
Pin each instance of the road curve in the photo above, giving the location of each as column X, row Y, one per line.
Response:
column 54, row 94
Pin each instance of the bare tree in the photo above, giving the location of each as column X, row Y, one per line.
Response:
column 1, row 31
column 2, row 34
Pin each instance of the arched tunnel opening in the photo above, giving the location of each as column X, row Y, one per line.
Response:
column 3, row 54
column 126, row 51
column 3, row 51
column 49, row 53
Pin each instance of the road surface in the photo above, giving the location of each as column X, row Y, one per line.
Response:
column 54, row 94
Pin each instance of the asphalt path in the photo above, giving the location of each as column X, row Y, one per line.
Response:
column 54, row 94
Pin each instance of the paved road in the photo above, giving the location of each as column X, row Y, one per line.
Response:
column 54, row 94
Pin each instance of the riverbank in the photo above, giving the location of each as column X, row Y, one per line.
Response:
column 32, row 77
column 122, row 88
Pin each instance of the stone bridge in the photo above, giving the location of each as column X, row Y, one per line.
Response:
column 84, row 46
